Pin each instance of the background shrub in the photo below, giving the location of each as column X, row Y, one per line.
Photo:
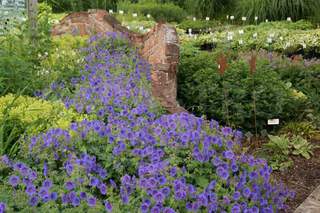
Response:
column 19, row 62
column 160, row 12
column 277, row 9
column 286, row 37
column 80, row 5
column 199, row 25
column 201, row 89
column 306, row 80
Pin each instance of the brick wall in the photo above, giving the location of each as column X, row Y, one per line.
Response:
column 160, row 47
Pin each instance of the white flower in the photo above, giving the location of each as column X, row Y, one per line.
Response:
column 240, row 41
column 244, row 18
column 121, row 12
column 190, row 30
column 230, row 37
column 207, row 18
column 289, row 19
column 227, row 16
column 194, row 19
column 269, row 40
column 232, row 17
column 141, row 28
column 134, row 14
column 281, row 38
column 267, row 20
column 256, row 18
column 271, row 35
column 128, row 27
column 304, row 46
column 255, row 35
column 148, row 16
column 111, row 11
column 241, row 32
column 288, row 44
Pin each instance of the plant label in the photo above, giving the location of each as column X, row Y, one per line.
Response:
column 274, row 121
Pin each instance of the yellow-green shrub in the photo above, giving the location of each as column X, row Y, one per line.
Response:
column 23, row 115
column 64, row 61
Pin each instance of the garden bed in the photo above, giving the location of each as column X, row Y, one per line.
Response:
column 303, row 177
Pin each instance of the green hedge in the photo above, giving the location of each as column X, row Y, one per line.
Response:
column 159, row 12
column 80, row 5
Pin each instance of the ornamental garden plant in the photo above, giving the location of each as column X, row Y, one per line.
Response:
column 133, row 158
column 81, row 132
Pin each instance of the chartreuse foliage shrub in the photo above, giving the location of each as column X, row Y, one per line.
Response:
column 132, row 158
column 60, row 66
column 26, row 115
column 304, row 79
column 204, row 91
column 160, row 12
column 277, row 9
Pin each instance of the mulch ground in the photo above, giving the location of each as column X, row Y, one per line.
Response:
column 303, row 177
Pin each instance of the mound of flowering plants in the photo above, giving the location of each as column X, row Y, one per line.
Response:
column 133, row 158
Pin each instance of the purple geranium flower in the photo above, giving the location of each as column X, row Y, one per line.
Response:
column 69, row 185
column 108, row 206
column 2, row 207
column 14, row 180
column 31, row 190
column 34, row 201
column 91, row 201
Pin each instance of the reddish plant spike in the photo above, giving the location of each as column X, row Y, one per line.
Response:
column 296, row 58
column 253, row 64
column 223, row 65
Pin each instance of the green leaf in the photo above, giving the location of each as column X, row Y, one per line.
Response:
column 202, row 181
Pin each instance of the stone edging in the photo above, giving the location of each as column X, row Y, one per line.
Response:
column 311, row 204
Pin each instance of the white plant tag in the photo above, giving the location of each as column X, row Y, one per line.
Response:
column 274, row 121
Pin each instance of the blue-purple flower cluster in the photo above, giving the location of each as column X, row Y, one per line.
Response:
column 134, row 160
